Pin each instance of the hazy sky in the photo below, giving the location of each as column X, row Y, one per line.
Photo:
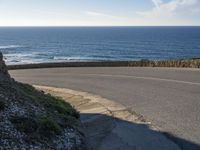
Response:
column 99, row 12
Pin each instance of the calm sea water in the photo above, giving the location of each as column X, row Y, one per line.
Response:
column 53, row 44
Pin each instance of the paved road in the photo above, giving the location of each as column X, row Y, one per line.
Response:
column 170, row 98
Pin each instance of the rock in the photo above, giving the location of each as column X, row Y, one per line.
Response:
column 3, row 68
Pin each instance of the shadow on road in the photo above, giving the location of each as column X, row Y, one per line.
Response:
column 182, row 143
column 106, row 132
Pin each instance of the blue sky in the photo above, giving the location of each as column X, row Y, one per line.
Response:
column 99, row 12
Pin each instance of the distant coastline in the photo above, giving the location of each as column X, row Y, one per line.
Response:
column 183, row 63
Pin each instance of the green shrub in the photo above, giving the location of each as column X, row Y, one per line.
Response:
column 45, row 126
column 50, row 102
column 48, row 127
column 24, row 124
column 59, row 105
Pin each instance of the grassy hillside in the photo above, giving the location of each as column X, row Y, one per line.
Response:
column 30, row 119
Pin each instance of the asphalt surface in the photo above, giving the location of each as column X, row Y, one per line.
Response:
column 168, row 97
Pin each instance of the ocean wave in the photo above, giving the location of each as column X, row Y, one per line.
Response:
column 10, row 46
column 18, row 55
column 68, row 58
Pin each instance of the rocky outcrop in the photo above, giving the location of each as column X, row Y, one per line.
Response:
column 3, row 68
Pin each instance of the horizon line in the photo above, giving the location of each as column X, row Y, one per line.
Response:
column 106, row 26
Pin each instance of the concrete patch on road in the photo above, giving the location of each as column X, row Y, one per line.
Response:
column 109, row 125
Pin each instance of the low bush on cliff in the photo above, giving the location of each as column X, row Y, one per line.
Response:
column 49, row 102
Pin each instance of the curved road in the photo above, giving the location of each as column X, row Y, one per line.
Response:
column 169, row 98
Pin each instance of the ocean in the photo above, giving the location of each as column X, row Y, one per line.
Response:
column 24, row 45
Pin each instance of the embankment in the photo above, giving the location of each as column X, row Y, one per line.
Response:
column 191, row 63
